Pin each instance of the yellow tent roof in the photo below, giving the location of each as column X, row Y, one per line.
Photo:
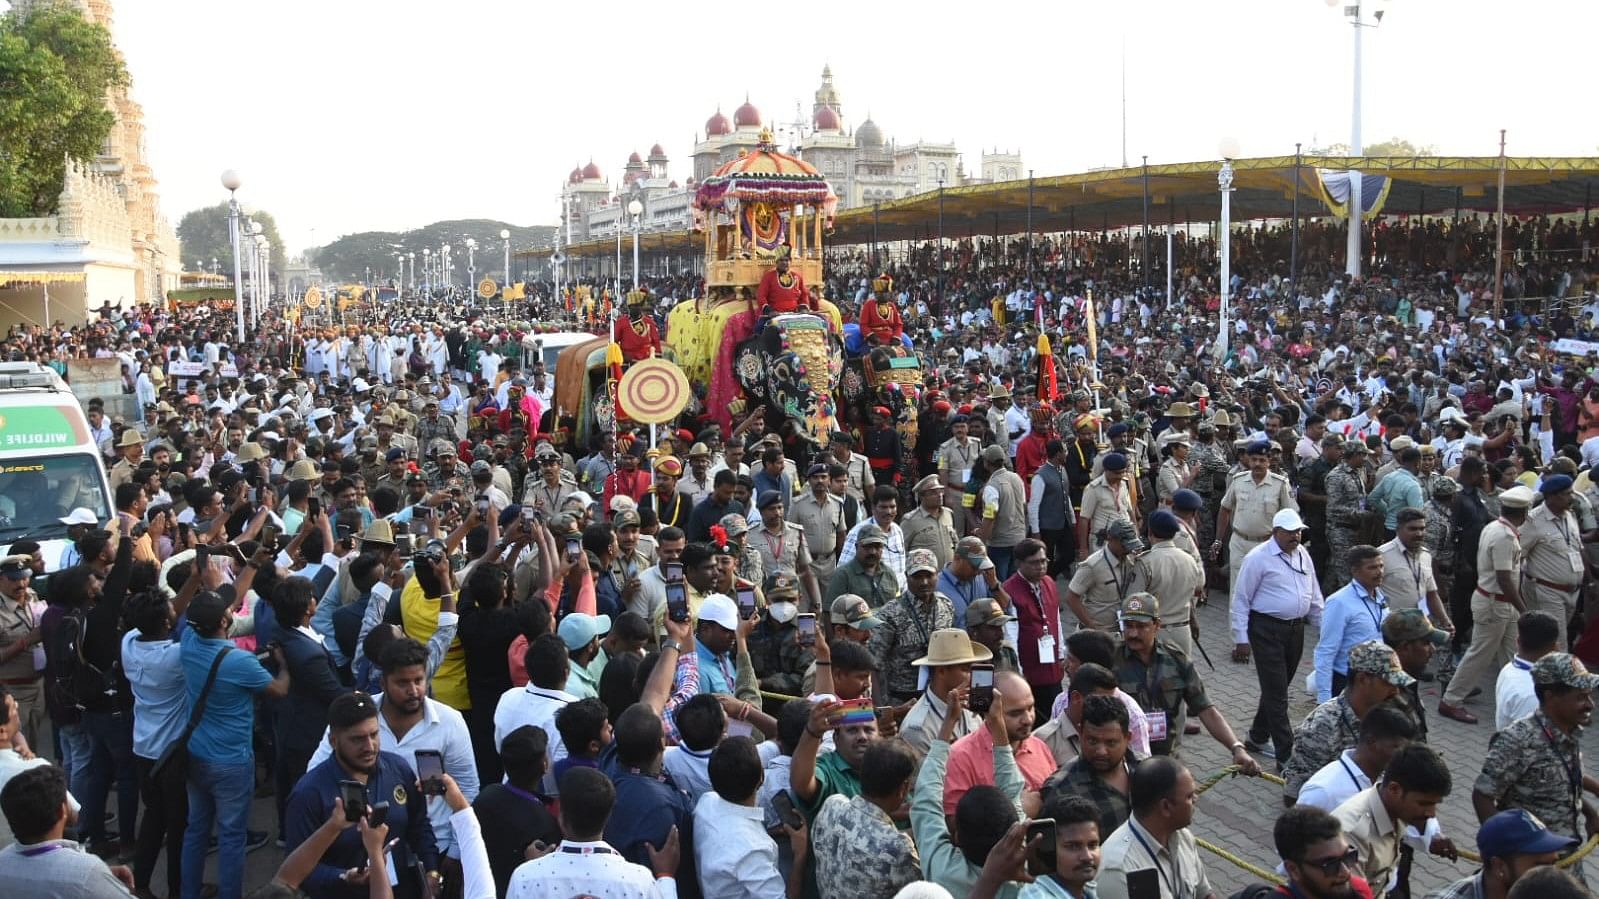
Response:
column 1186, row 192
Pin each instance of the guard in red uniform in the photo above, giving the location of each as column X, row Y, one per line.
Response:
column 1032, row 450
column 636, row 332
column 781, row 289
column 880, row 319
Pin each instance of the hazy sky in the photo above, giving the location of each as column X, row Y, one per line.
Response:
column 351, row 115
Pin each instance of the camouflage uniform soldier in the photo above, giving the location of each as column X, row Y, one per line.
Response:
column 749, row 565
column 446, row 471
column 776, row 655
column 1346, row 499
column 1210, row 480
column 1334, row 725
column 1536, row 763
column 908, row 624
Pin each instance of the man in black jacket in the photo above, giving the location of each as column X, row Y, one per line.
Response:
column 313, row 685
column 1470, row 514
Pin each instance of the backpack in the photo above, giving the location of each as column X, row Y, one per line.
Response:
column 74, row 679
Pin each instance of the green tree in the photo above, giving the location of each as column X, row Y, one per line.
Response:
column 1393, row 146
column 55, row 71
column 203, row 234
column 348, row 258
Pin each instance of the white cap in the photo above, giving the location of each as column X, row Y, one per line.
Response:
column 80, row 515
column 718, row 607
column 1287, row 520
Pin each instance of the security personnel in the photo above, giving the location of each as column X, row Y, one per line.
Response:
column 383, row 777
column 1253, row 496
column 1106, row 577
column 783, row 546
column 1105, row 499
column 821, row 515
column 1174, row 577
column 956, row 458
column 930, row 526
column 131, row 448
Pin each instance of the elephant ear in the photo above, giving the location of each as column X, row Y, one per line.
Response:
column 749, row 369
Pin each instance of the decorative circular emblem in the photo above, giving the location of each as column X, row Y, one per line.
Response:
column 486, row 288
column 653, row 391
column 399, row 794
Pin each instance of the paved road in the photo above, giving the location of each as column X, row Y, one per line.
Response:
column 1238, row 813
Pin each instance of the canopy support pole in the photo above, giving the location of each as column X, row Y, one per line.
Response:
column 1293, row 245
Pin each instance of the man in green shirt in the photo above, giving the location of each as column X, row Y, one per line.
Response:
column 812, row 779
column 954, row 859
column 581, row 633
column 865, row 575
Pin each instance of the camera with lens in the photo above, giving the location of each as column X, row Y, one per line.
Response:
column 431, row 553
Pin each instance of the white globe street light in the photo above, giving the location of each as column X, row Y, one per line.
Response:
column 505, row 235
column 231, row 182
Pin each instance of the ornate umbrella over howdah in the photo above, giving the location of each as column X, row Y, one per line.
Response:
column 758, row 186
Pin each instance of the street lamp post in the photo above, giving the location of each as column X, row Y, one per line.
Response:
column 505, row 235
column 636, row 210
column 254, row 249
column 1355, row 11
column 411, row 257
column 427, row 269
column 231, row 181
column 444, row 266
column 471, row 264
column 1224, row 181
column 265, row 249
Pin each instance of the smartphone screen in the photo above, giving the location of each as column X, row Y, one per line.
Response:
column 269, row 536
column 313, row 507
column 854, row 711
column 1041, row 855
column 677, row 600
column 482, row 508
column 746, row 602
column 806, row 623
column 674, row 571
column 981, row 697
column 354, row 795
column 529, row 513
column 784, row 807
column 574, row 547
column 405, row 544
column 430, row 771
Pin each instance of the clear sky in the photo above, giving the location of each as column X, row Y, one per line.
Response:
column 351, row 115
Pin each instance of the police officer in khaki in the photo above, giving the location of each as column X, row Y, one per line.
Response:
column 821, row 515
column 1253, row 496
column 1105, row 499
column 1106, row 577
column 1496, row 604
column 783, row 545
column 1174, row 577
column 1551, row 544
column 131, row 448
column 956, row 458
column 931, row 525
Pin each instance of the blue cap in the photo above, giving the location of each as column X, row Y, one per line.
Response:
column 1115, row 462
column 1517, row 832
column 1120, row 427
column 578, row 629
column 1259, row 448
column 768, row 498
column 1555, row 483
column 1186, row 500
column 394, row 454
column 1163, row 524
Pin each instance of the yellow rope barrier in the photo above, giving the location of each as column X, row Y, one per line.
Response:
column 1271, row 877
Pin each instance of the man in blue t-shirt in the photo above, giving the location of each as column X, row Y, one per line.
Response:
column 221, row 751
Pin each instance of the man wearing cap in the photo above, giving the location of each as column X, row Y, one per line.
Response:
column 1347, row 486
column 1002, row 510
column 857, row 468
column 1414, row 640
column 1106, row 576
column 987, row 624
column 847, row 619
column 131, row 448
column 885, row 504
column 1174, row 578
column 778, row 657
column 1166, row 685
column 1376, row 676
column 1105, row 499
column 865, row 575
column 1551, row 546
column 737, row 554
column 1495, row 605
column 930, row 526
column 821, row 515
column 1535, row 764
column 581, row 633
column 956, row 458
column 908, row 623
column 947, row 666
column 1312, row 494
column 968, row 577
column 783, row 546
column 1253, row 496
column 1275, row 597
column 696, row 482
column 21, row 644
column 1511, row 843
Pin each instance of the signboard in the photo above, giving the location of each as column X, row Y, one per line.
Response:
column 38, row 428
column 101, row 379
column 196, row 369
column 1575, row 347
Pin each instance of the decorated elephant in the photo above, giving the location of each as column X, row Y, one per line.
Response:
column 792, row 365
column 889, row 377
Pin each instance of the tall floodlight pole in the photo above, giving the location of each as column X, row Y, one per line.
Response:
column 231, row 181
column 1356, row 11
column 505, row 235
column 1224, row 181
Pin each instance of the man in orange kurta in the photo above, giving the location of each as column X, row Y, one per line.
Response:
column 780, row 288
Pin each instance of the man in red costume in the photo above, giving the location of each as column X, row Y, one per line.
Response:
column 1032, row 450
column 780, row 288
column 627, row 480
column 880, row 319
column 636, row 332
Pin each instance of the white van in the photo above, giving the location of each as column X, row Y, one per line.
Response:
column 49, row 464
column 549, row 346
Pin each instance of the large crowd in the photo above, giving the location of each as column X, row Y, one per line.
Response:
column 362, row 564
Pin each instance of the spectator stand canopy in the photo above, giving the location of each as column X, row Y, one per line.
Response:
column 1186, row 192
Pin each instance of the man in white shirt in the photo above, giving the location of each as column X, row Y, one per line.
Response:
column 584, row 864
column 536, row 704
column 701, row 724
column 12, row 764
column 1537, row 635
column 1382, row 732
column 735, row 857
